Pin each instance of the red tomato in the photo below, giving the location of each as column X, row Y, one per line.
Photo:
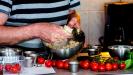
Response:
column 14, row 69
column 59, row 64
column 48, row 63
column 84, row 64
column 108, row 66
column 8, row 67
column 53, row 63
column 40, row 60
column 80, row 63
column 1, row 67
column 66, row 65
column 116, row 58
column 18, row 66
column 94, row 66
column 122, row 66
column 101, row 67
column 115, row 66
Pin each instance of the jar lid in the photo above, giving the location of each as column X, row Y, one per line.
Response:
column 92, row 49
column 73, row 62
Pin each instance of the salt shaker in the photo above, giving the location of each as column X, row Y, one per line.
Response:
column 28, row 62
column 34, row 56
column 74, row 66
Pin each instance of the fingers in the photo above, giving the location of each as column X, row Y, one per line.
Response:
column 53, row 33
column 60, row 32
column 47, row 39
column 77, row 25
column 61, row 36
column 51, row 38
column 73, row 23
column 57, row 30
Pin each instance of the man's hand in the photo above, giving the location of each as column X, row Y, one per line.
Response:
column 74, row 20
column 73, row 23
column 50, row 32
column 46, row 31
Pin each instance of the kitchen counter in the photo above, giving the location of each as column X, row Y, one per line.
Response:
column 88, row 72
column 81, row 72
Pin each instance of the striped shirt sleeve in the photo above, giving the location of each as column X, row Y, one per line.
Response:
column 74, row 4
column 5, row 6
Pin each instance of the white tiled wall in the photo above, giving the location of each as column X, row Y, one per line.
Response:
column 92, row 18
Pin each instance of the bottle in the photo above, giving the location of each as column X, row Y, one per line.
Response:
column 119, row 38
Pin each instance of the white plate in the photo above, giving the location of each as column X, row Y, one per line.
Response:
column 35, row 71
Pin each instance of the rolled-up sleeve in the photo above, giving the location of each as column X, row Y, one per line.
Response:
column 5, row 6
column 74, row 4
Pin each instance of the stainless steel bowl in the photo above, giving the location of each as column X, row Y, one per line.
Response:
column 92, row 51
column 121, row 51
column 65, row 53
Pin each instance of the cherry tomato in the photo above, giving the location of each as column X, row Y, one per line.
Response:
column 48, row 63
column 59, row 64
column 101, row 67
column 80, row 63
column 1, row 67
column 85, row 64
column 14, row 69
column 8, row 67
column 18, row 66
column 108, row 66
column 66, row 65
column 53, row 63
column 94, row 66
column 122, row 65
column 116, row 58
column 40, row 60
column 115, row 66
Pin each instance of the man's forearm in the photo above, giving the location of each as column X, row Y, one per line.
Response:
column 13, row 35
